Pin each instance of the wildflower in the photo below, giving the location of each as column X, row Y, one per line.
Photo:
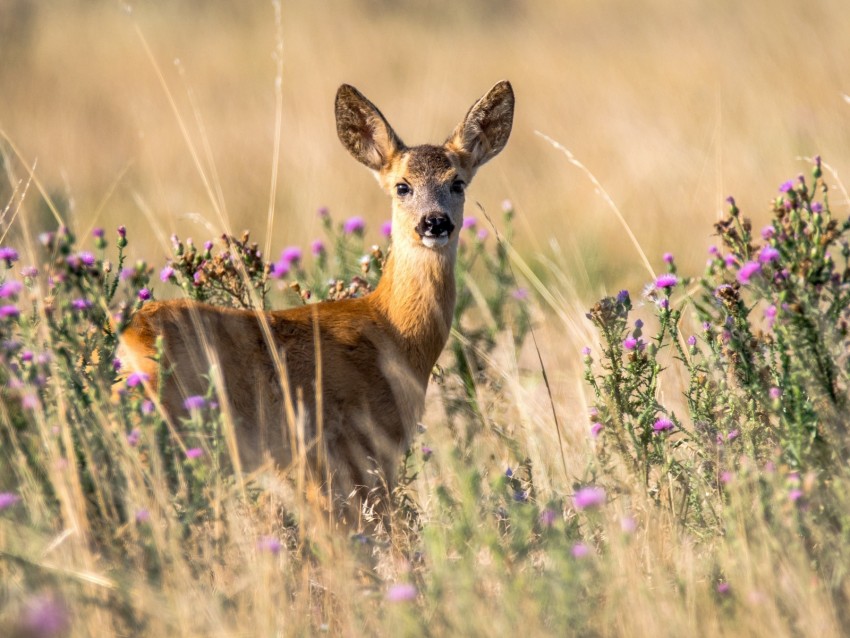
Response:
column 9, row 311
column 194, row 403
column 317, row 247
column 520, row 294
column 148, row 406
column 817, row 208
column 630, row 343
column 98, row 233
column 10, row 289
column 726, row 477
column 27, row 356
column 137, row 378
column 623, row 296
column 767, row 232
column 595, row 429
column 628, row 524
column 29, row 271
column 134, row 437
column 692, row 340
column 469, row 223
column 143, row 516
column 7, row 499
column 426, row 452
column 279, row 269
column 729, row 261
column 482, row 234
column 662, row 425
column 401, row 592
column 734, row 434
column 194, row 453
column 586, row 351
column 668, row 258
column 507, row 205
column 580, row 550
column 291, row 255
column 122, row 232
column 775, row 393
column 44, row 616
column 29, row 401
column 354, row 225
column 747, row 271
column 387, row 228
column 722, row 588
column 770, row 315
column 144, row 294
column 322, row 212
column 86, row 258
column 589, row 497
column 786, row 186
column 713, row 251
column 8, row 254
column 795, row 495
column 547, row 517
column 269, row 544
column 768, row 254
column 166, row 274
column 666, row 281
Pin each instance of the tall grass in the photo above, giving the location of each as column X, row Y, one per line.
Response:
column 721, row 512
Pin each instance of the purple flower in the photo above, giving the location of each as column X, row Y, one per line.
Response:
column 10, row 289
column 317, row 247
column 668, row 258
column 768, row 254
column 194, row 453
column 143, row 516
column 7, row 499
column 623, row 296
column 507, row 205
column 469, row 222
column 9, row 311
column 426, row 452
column 137, row 378
column 630, row 343
column 795, row 495
column 713, row 251
column 269, row 544
column 387, row 228
column 729, row 261
column 767, row 232
column 547, row 517
column 134, row 437
column 98, row 233
column 482, row 234
column 144, row 294
column 770, row 315
column 8, row 254
column 86, row 258
column 520, row 294
column 45, row 616
column 722, row 588
column 291, row 255
column 774, row 393
column 595, row 429
column 194, row 403
column 580, row 550
column 628, row 524
column 786, row 186
column 280, row 269
column 747, row 271
column 734, row 434
column 662, row 425
column 148, row 407
column 692, row 340
column 126, row 273
column 589, row 497
column 666, row 281
column 208, row 245
column 817, row 208
column 354, row 225
column 166, row 273
column 586, row 351
column 322, row 212
column 29, row 271
column 401, row 593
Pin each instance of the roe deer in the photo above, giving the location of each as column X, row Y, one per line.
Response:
column 372, row 356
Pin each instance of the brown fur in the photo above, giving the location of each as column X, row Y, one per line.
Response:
column 376, row 353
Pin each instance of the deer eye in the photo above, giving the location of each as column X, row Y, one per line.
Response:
column 458, row 186
column 402, row 189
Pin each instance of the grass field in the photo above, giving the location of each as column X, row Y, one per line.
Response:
column 686, row 475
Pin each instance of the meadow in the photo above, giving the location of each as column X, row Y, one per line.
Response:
column 639, row 424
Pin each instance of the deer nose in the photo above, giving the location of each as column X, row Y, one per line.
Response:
column 435, row 225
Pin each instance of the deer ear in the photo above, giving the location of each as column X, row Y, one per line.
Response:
column 486, row 128
column 363, row 130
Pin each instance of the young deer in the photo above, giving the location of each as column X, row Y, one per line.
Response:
column 352, row 374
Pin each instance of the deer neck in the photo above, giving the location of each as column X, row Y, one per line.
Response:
column 416, row 294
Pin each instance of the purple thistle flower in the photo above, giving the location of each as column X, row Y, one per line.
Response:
column 774, row 393
column 692, row 340
column 767, row 232
column 291, row 255
column 317, row 247
column 722, row 588
column 134, row 437
column 401, row 593
column 10, row 289
column 143, row 516
column 469, row 222
column 547, row 517
column 589, row 498
column 734, row 434
column 747, row 271
column 45, row 616
column 713, row 251
column 322, row 212
column 136, row 379
column 586, row 351
column 795, row 495
column 279, row 269
column 148, row 407
column 86, row 258
column 27, row 356
column 426, row 452
column 482, row 234
column 387, row 228
column 507, row 205
column 98, row 233
column 662, row 425
column 817, row 208
column 144, row 294
column 580, row 550
column 668, row 258
column 630, row 343
column 595, row 429
column 81, row 304
column 9, row 311
column 194, row 403
column 7, row 499
column 354, row 225
column 166, row 273
column 29, row 271
column 208, row 245
column 269, row 544
column 786, row 186
column 8, row 254
column 194, row 453
column 729, row 261
column 122, row 232
column 623, row 296
column 666, row 281
column 768, row 254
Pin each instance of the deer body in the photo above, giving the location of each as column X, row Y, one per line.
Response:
column 373, row 355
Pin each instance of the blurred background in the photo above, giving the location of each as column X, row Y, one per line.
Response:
column 671, row 104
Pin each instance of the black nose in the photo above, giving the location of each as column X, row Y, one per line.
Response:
column 435, row 225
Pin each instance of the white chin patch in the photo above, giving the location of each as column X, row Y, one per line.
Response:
column 435, row 242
